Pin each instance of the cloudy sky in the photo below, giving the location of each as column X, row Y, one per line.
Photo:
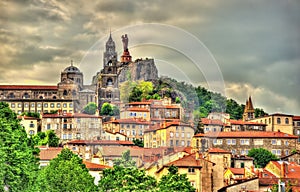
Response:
column 252, row 46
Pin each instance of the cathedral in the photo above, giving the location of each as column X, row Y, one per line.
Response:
column 70, row 95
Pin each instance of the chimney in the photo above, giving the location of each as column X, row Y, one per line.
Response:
column 283, row 170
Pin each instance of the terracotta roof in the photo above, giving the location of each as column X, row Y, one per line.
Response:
column 241, row 122
column 101, row 142
column 140, row 103
column 199, row 135
column 95, row 167
column 83, row 115
column 207, row 121
column 138, row 109
column 237, row 171
column 29, row 87
column 217, row 150
column 250, row 134
column 133, row 121
column 70, row 115
column 27, row 118
column 296, row 118
column 49, row 153
column 188, row 161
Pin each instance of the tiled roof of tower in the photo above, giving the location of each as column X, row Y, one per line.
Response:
column 250, row 134
column 29, row 87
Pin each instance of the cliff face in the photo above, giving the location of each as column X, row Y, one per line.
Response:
column 139, row 70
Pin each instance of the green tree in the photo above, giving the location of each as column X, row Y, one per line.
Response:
column 121, row 179
column 261, row 156
column 174, row 181
column 46, row 138
column 116, row 111
column 146, row 88
column 125, row 160
column 138, row 142
column 259, row 112
column 90, row 108
column 106, row 109
column 18, row 163
column 31, row 114
column 66, row 172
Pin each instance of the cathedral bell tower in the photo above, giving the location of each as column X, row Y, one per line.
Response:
column 108, row 90
column 249, row 111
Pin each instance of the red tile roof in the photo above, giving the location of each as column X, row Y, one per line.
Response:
column 140, row 103
column 49, row 153
column 141, row 109
column 237, row 171
column 207, row 121
column 188, row 161
column 296, row 118
column 133, row 121
column 29, row 87
column 70, row 115
column 95, row 167
column 217, row 150
column 101, row 142
column 199, row 135
column 241, row 122
column 250, row 134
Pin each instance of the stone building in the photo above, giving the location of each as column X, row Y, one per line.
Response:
column 239, row 143
column 296, row 127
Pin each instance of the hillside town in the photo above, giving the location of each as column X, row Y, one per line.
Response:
column 158, row 132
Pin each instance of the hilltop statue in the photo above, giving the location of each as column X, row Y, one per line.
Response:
column 125, row 42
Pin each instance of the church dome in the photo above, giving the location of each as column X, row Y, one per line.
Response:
column 72, row 69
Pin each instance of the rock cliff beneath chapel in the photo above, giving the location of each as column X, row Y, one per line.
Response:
column 139, row 70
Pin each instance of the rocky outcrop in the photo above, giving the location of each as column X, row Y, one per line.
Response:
column 139, row 70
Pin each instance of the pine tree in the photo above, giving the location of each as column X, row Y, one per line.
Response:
column 18, row 163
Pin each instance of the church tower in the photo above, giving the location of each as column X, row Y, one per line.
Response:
column 110, row 51
column 249, row 111
column 108, row 91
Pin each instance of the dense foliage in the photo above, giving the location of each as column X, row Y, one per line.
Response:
column 109, row 110
column 66, row 172
column 261, row 156
column 125, row 161
column 18, row 164
column 46, row 138
column 90, row 108
column 138, row 142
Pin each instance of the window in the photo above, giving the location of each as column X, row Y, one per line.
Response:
column 19, row 105
column 278, row 120
column 32, row 105
column 65, row 126
column 64, row 105
column 48, row 126
column 70, row 136
column 31, row 125
column 64, row 136
column 133, row 132
column 258, row 142
column 171, row 134
column 71, row 105
column 233, row 151
column 31, row 132
column 182, row 134
column 278, row 151
column 231, row 141
column 171, row 143
column 177, row 143
column 177, row 134
column 274, row 142
column 26, row 105
column 46, row 105
column 39, row 105
column 191, row 170
column 215, row 130
column 140, row 133
column 287, row 152
column 286, row 143
column 12, row 105
column 182, row 143
column 244, row 141
column 188, row 135
column 52, row 105
column 286, row 120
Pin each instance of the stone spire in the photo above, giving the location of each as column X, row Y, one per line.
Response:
column 110, row 51
column 249, row 110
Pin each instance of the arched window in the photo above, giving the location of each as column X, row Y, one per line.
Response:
column 278, row 120
column 41, row 97
column 54, row 97
column 109, row 82
column 109, row 70
column 109, row 63
column 286, row 120
column 65, row 92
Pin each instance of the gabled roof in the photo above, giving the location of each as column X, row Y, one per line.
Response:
column 241, row 122
column 95, row 167
column 29, row 87
column 49, row 153
column 217, row 150
column 237, row 171
column 187, row 161
column 207, row 121
column 250, row 134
